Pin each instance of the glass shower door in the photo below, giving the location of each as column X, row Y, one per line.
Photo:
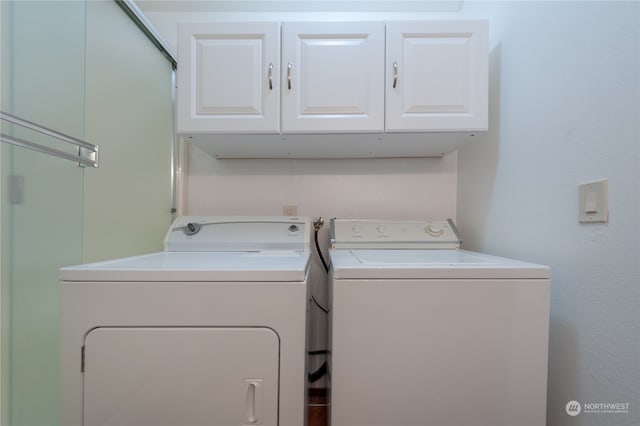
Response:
column 41, row 198
column 41, row 231
column 84, row 69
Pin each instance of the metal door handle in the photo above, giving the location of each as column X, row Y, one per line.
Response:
column 270, row 76
column 395, row 74
column 289, row 75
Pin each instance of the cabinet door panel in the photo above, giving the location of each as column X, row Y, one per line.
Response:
column 336, row 72
column 440, row 71
column 436, row 86
column 168, row 376
column 228, row 77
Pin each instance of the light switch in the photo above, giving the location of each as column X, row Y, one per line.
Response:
column 593, row 201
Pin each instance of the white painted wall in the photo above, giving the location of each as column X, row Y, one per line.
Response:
column 565, row 110
column 377, row 188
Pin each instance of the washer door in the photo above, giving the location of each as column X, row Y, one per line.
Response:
column 155, row 376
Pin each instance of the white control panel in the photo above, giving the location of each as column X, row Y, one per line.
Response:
column 388, row 234
column 238, row 233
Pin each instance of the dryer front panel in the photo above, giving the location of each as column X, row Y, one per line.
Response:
column 187, row 376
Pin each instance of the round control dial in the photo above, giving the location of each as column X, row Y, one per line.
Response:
column 192, row 228
column 434, row 230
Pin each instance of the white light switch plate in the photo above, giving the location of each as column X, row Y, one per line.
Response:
column 593, row 201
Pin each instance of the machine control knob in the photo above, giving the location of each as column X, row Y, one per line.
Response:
column 380, row 229
column 434, row 230
column 192, row 228
column 356, row 230
column 293, row 228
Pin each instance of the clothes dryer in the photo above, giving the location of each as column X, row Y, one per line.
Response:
column 210, row 331
column 423, row 333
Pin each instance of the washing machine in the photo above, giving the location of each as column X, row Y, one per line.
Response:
column 210, row 331
column 423, row 333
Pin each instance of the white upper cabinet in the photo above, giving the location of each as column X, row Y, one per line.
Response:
column 437, row 76
column 333, row 77
column 329, row 89
column 228, row 77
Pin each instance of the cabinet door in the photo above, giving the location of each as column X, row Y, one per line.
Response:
column 332, row 77
column 228, row 77
column 168, row 376
column 437, row 76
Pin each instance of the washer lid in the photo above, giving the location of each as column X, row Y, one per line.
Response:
column 266, row 266
column 426, row 264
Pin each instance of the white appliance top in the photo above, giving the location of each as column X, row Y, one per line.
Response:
column 429, row 264
column 220, row 249
column 388, row 234
column 384, row 249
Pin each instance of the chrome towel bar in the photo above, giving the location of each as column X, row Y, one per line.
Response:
column 87, row 153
